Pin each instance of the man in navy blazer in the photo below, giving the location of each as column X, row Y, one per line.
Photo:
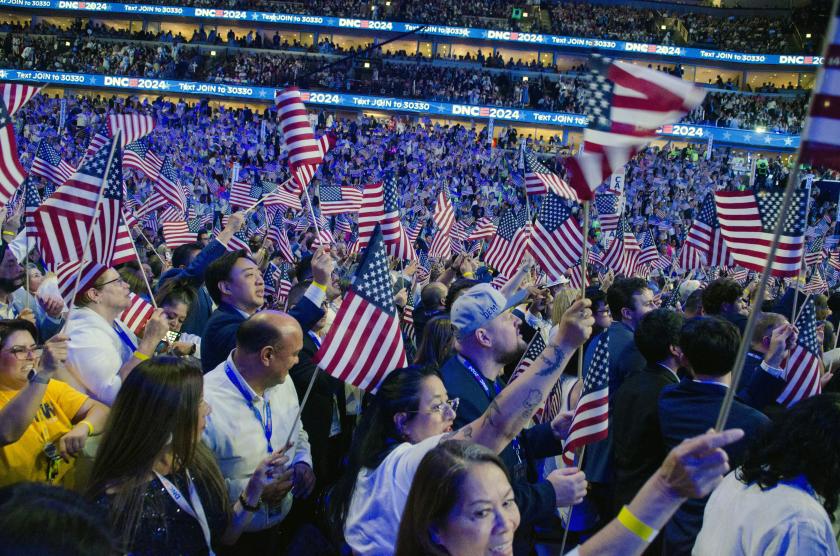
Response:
column 190, row 262
column 235, row 284
column 710, row 345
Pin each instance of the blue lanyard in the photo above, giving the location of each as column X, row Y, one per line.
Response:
column 266, row 426
column 315, row 338
column 517, row 449
column 124, row 337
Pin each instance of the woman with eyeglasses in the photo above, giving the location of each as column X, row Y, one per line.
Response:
column 102, row 350
column 44, row 423
column 411, row 413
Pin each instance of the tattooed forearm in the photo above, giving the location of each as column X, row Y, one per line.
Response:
column 531, row 403
column 552, row 358
column 493, row 416
column 465, row 433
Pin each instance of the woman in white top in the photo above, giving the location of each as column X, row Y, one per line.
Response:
column 102, row 350
column 461, row 502
column 411, row 414
column 779, row 501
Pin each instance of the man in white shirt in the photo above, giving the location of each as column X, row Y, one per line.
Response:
column 255, row 405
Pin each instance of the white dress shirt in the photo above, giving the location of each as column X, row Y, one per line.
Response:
column 95, row 354
column 238, row 439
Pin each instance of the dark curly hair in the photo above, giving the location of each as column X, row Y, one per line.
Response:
column 804, row 441
column 720, row 291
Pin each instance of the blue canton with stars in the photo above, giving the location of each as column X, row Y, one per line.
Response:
column 137, row 147
column 389, row 191
column 114, row 184
column 31, row 200
column 807, row 324
column 533, row 166
column 646, row 240
column 96, row 165
column 768, row 208
column 510, row 223
column 707, row 214
column 554, row 212
column 48, row 153
column 259, row 187
column 373, row 280
column 598, row 373
column 624, row 226
column 606, row 204
column 598, row 93
column 331, row 193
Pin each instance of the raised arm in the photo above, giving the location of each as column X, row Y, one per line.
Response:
column 513, row 408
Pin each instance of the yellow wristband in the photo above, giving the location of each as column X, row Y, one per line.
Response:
column 140, row 356
column 89, row 426
column 469, row 274
column 6, row 233
column 636, row 525
column 322, row 287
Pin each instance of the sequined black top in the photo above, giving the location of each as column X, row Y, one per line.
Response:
column 165, row 528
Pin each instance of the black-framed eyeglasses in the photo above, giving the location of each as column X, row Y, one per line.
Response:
column 117, row 279
column 22, row 353
column 441, row 407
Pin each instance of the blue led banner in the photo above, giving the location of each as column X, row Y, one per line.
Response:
column 436, row 30
column 364, row 102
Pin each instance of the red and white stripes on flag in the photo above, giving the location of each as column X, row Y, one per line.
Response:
column 380, row 208
column 626, row 104
column 282, row 196
column 48, row 164
column 304, row 151
column 747, row 221
column 556, row 241
column 689, row 258
column 90, row 200
column 132, row 127
column 804, row 365
column 12, row 172
column 178, row 233
column 168, row 186
column 444, row 217
column 539, row 180
column 15, row 95
column 338, row 199
column 139, row 157
column 821, row 143
column 484, row 229
column 365, row 342
column 136, row 314
column 591, row 421
column 509, row 244
column 623, row 253
column 706, row 238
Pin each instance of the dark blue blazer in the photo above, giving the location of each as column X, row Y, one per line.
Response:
column 536, row 500
column 202, row 307
column 219, row 336
column 689, row 409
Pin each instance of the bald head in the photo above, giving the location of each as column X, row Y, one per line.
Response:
column 433, row 296
column 267, row 328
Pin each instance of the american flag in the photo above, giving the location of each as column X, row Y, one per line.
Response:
column 270, row 280
column 539, row 180
column 169, row 186
column 623, row 254
column 557, row 241
column 649, row 254
column 706, row 237
column 552, row 404
column 284, row 282
column 444, row 217
column 139, row 157
column 151, row 221
column 816, row 283
column 689, row 258
column 277, row 235
column 171, row 214
column 509, row 244
column 802, row 372
column 740, row 275
column 132, row 126
column 124, row 247
column 15, row 95
column 834, row 260
column 485, row 228
column 575, row 280
column 12, row 172
column 608, row 211
column 31, row 202
column 305, row 153
column 176, row 234
column 136, row 314
column 414, row 231
column 499, row 281
column 365, row 343
column 380, row 208
column 343, row 226
column 65, row 220
column 281, row 196
column 815, row 253
column 245, row 194
column 626, row 103
column 747, row 221
column 239, row 241
column 591, row 418
column 47, row 164
column 821, row 147
column 337, row 199
column 67, row 275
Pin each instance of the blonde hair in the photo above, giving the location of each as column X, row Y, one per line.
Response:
column 562, row 301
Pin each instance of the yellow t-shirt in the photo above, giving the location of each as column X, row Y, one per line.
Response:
column 24, row 460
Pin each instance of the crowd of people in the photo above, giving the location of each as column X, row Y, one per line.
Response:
column 183, row 437
column 401, row 76
column 744, row 32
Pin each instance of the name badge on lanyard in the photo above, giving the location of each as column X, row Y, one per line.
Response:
column 265, row 425
column 194, row 508
column 519, row 471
